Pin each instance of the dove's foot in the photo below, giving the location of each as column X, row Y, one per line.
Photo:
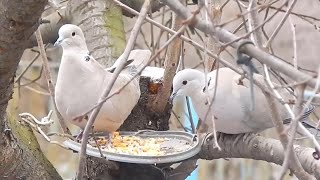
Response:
column 79, row 136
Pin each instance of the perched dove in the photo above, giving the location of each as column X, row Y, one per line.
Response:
column 231, row 106
column 81, row 81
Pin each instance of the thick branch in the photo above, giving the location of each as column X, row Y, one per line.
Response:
column 258, row 148
column 225, row 37
column 171, row 65
column 155, row 5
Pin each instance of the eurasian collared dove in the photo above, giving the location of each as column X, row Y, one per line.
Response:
column 231, row 106
column 81, row 81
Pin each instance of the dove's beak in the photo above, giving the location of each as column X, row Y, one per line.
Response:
column 58, row 42
column 173, row 95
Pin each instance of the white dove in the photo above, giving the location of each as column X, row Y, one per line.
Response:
column 231, row 106
column 81, row 81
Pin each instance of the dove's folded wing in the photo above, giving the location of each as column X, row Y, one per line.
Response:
column 136, row 60
column 124, row 99
column 233, row 101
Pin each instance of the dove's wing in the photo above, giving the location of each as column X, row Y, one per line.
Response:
column 233, row 102
column 126, row 99
column 136, row 60
column 82, row 80
column 79, row 84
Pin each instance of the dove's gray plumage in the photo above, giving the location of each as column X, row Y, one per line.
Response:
column 231, row 106
column 81, row 81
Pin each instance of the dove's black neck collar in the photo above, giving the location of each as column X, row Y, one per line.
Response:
column 87, row 57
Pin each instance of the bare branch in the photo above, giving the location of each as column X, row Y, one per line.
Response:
column 294, row 39
column 258, row 148
column 49, row 80
column 285, row 17
column 170, row 65
column 293, row 130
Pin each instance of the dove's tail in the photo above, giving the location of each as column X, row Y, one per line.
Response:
column 136, row 60
column 139, row 58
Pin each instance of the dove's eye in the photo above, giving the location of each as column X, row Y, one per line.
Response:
column 73, row 34
column 184, row 82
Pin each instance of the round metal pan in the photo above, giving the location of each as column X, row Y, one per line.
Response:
column 187, row 144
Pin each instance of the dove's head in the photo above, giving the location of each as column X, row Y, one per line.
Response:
column 187, row 82
column 71, row 37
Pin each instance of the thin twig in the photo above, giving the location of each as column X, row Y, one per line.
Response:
column 264, row 6
column 186, row 39
column 49, row 80
column 258, row 38
column 195, row 44
column 293, row 129
column 170, row 65
column 60, row 135
column 225, row 36
column 36, row 124
column 243, row 18
column 252, row 30
column 43, row 122
column 283, row 20
column 286, row 105
column 304, row 17
column 28, row 66
column 178, row 119
column 295, row 164
column 98, row 145
column 253, row 20
column 37, row 91
column 294, row 39
column 33, row 81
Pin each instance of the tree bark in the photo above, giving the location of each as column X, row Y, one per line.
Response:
column 102, row 24
column 20, row 154
column 113, row 23
column 259, row 148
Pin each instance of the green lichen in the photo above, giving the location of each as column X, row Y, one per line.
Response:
column 115, row 28
column 27, row 141
column 23, row 133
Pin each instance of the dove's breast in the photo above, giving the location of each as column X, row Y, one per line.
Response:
column 78, row 87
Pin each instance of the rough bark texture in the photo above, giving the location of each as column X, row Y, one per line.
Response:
column 259, row 148
column 171, row 64
column 20, row 155
column 137, row 4
column 142, row 117
column 101, row 22
column 80, row 11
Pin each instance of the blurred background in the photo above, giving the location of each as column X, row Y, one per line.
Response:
column 31, row 92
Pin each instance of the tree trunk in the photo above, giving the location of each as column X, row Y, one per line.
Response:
column 20, row 154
